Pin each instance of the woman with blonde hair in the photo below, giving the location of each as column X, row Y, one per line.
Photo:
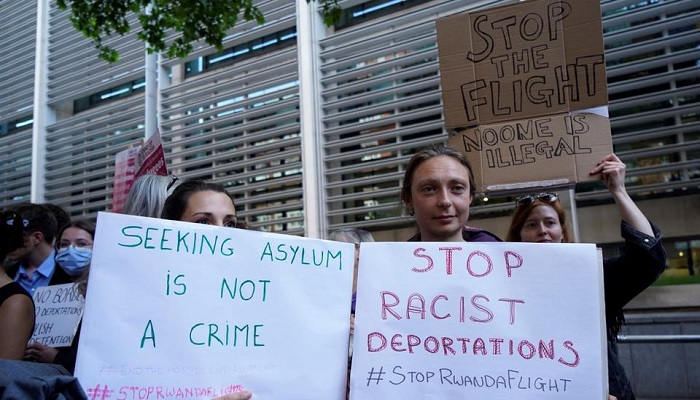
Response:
column 148, row 193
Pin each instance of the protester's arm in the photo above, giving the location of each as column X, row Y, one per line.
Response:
column 612, row 171
column 16, row 322
column 628, row 275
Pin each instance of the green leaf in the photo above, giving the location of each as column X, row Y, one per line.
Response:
column 193, row 20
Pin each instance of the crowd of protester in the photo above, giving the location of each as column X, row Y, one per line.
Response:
column 43, row 246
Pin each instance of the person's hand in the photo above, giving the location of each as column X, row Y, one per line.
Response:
column 41, row 353
column 612, row 171
column 244, row 395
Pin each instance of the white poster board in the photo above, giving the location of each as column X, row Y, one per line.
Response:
column 58, row 310
column 486, row 321
column 191, row 311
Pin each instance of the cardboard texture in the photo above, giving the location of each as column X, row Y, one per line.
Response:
column 518, row 86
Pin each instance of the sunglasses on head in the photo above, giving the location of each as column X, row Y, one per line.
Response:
column 173, row 181
column 531, row 198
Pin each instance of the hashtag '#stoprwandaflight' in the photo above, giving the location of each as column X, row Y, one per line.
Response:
column 99, row 393
column 375, row 376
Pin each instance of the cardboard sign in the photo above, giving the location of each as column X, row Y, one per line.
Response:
column 490, row 321
column 58, row 309
column 520, row 87
column 182, row 310
column 550, row 151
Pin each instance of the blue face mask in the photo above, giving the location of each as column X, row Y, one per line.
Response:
column 73, row 260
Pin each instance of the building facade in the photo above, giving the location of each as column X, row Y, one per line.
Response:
column 309, row 127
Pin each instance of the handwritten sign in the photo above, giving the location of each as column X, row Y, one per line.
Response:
column 58, row 311
column 181, row 310
column 524, row 90
column 151, row 157
column 124, row 171
column 472, row 320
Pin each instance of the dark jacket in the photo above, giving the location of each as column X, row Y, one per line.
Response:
column 470, row 234
column 36, row 381
column 67, row 355
column 60, row 276
column 625, row 277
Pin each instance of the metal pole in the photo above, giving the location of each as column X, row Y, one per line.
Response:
column 658, row 338
column 43, row 114
column 310, row 31
column 574, row 214
column 151, row 77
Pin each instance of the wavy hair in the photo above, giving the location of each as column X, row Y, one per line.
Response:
column 147, row 196
column 523, row 211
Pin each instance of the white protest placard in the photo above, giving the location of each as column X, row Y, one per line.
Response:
column 486, row 321
column 189, row 311
column 58, row 310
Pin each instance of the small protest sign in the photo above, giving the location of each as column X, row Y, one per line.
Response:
column 524, row 92
column 144, row 159
column 124, row 172
column 182, row 310
column 58, row 310
column 490, row 321
column 151, row 157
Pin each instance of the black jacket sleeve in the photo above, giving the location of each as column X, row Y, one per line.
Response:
column 629, row 274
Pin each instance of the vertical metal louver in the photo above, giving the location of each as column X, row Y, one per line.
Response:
column 17, row 40
column 238, row 124
column 81, row 144
column 653, row 67
column 381, row 103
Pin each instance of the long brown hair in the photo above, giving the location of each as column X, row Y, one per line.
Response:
column 89, row 227
column 522, row 211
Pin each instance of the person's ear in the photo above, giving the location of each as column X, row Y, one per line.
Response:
column 409, row 205
column 37, row 237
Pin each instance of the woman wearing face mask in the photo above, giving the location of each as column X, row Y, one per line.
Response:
column 541, row 219
column 73, row 253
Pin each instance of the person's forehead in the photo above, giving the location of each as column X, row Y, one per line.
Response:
column 74, row 231
column 211, row 201
column 441, row 167
column 542, row 211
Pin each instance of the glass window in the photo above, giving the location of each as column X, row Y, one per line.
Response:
column 108, row 95
column 232, row 55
